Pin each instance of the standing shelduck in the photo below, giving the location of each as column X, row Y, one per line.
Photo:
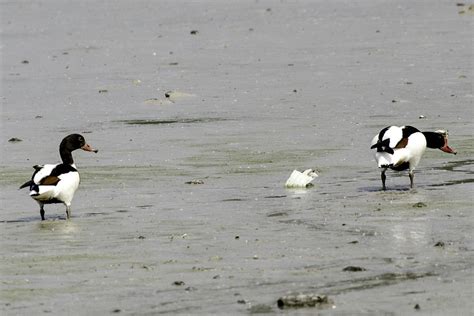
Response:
column 401, row 148
column 58, row 183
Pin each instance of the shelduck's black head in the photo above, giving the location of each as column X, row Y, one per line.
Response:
column 71, row 143
column 439, row 140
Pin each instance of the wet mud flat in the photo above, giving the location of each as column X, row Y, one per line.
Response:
column 220, row 248
column 201, row 111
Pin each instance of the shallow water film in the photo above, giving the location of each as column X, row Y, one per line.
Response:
column 200, row 111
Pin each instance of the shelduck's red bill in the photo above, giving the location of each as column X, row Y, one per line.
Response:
column 446, row 148
column 88, row 147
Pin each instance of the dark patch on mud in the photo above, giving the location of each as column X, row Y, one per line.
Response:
column 144, row 206
column 277, row 214
column 233, row 200
column 419, row 205
column 23, row 220
column 354, row 269
column 302, row 222
column 457, row 166
column 393, row 188
column 94, row 214
column 275, row 196
column 174, row 121
column 365, row 283
column 452, row 182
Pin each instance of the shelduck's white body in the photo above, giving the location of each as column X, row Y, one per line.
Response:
column 411, row 153
column 63, row 191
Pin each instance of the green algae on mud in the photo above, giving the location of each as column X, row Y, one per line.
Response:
column 45, row 264
column 14, row 176
column 249, row 161
column 114, row 173
column 15, row 293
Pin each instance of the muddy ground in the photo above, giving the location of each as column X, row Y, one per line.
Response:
column 236, row 94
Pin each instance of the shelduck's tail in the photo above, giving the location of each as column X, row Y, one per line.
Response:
column 26, row 184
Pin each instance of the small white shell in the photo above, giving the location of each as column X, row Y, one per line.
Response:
column 301, row 179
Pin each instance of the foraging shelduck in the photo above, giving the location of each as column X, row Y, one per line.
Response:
column 401, row 148
column 58, row 183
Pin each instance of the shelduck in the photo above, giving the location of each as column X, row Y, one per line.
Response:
column 401, row 148
column 57, row 183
